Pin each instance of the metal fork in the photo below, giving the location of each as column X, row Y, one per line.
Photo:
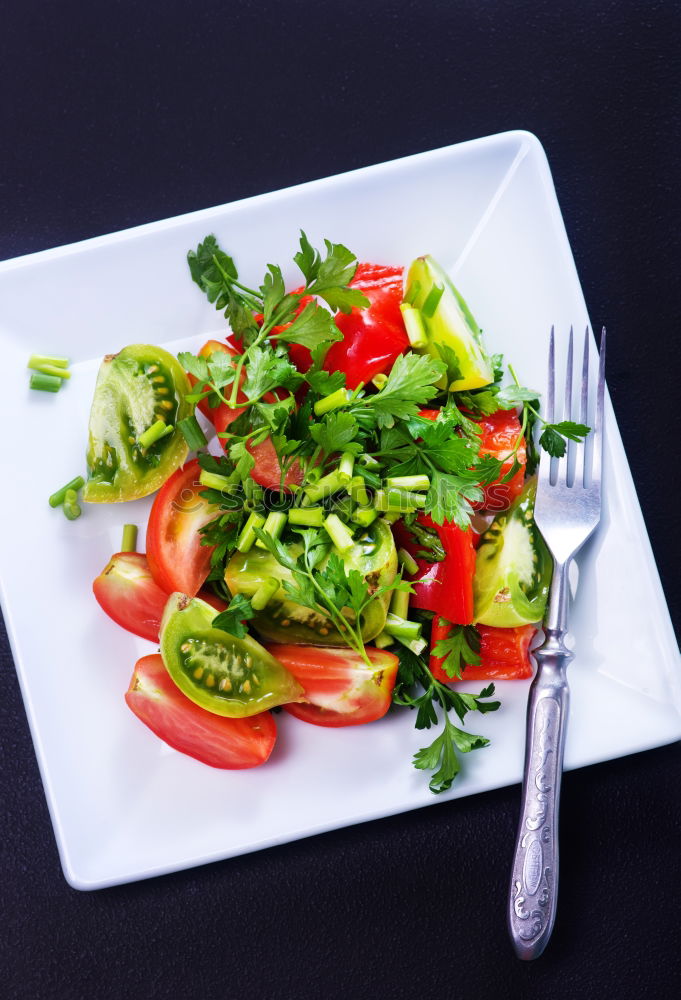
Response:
column 567, row 510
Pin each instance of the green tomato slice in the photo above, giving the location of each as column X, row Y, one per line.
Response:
column 512, row 568
column 135, row 388
column 450, row 324
column 374, row 556
column 221, row 673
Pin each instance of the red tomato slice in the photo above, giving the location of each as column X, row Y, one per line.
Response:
column 445, row 587
column 213, row 739
column 372, row 337
column 500, row 431
column 504, row 653
column 177, row 559
column 341, row 690
column 226, row 415
column 126, row 590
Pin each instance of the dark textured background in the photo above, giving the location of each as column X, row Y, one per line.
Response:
column 121, row 113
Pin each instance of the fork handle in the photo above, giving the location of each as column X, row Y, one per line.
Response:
column 534, row 880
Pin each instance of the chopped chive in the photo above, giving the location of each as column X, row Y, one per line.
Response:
column 192, row 433
column 311, row 517
column 154, row 433
column 379, row 380
column 406, row 560
column 129, row 541
column 401, row 628
column 370, row 478
column 432, row 300
column 383, row 640
column 58, row 498
column 412, row 292
column 214, row 481
column 358, row 491
column 413, row 324
column 52, row 370
column 338, row 533
column 364, row 516
column 46, row 383
column 347, row 464
column 394, row 501
column 399, row 603
column 72, row 511
column 331, row 402
column 275, row 523
column 37, row 360
column 264, row 594
column 419, row 483
column 247, row 536
column 326, row 485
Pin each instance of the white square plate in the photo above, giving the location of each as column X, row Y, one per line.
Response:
column 124, row 805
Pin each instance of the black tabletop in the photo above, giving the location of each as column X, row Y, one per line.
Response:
column 122, row 113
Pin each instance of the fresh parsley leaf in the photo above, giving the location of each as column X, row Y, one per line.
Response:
column 198, row 367
column 336, row 432
column 273, row 291
column 312, row 327
column 329, row 277
column 460, row 648
column 325, row 383
column 239, row 453
column 411, row 383
column 269, row 370
column 553, row 436
column 514, row 395
column 232, row 619
column 451, row 362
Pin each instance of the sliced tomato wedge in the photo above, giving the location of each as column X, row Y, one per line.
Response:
column 444, row 587
column 340, row 688
column 222, row 413
column 177, row 559
column 500, row 431
column 128, row 593
column 504, row 653
column 232, row 744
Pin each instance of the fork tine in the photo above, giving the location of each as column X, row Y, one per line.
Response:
column 564, row 462
column 580, row 450
column 545, row 461
column 597, row 456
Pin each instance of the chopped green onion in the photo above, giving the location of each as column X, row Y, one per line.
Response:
column 344, row 506
column 399, row 603
column 347, row 464
column 52, row 370
column 214, row 481
column 326, row 485
column 406, row 560
column 416, row 331
column 331, row 402
column 370, row 478
column 247, row 536
column 338, row 533
column 154, row 433
column 310, row 517
column 57, row 499
column 192, row 433
column 393, row 501
column 313, row 475
column 46, row 383
column 358, row 491
column 70, row 497
column 38, row 360
column 379, row 380
column 401, row 628
column 129, row 542
column 383, row 640
column 264, row 594
column 364, row 516
column 420, row 483
column 412, row 292
column 415, row 645
column 72, row 511
column 391, row 516
column 432, row 300
column 369, row 461
column 274, row 525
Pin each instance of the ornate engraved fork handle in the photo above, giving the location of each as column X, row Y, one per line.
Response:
column 534, row 879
